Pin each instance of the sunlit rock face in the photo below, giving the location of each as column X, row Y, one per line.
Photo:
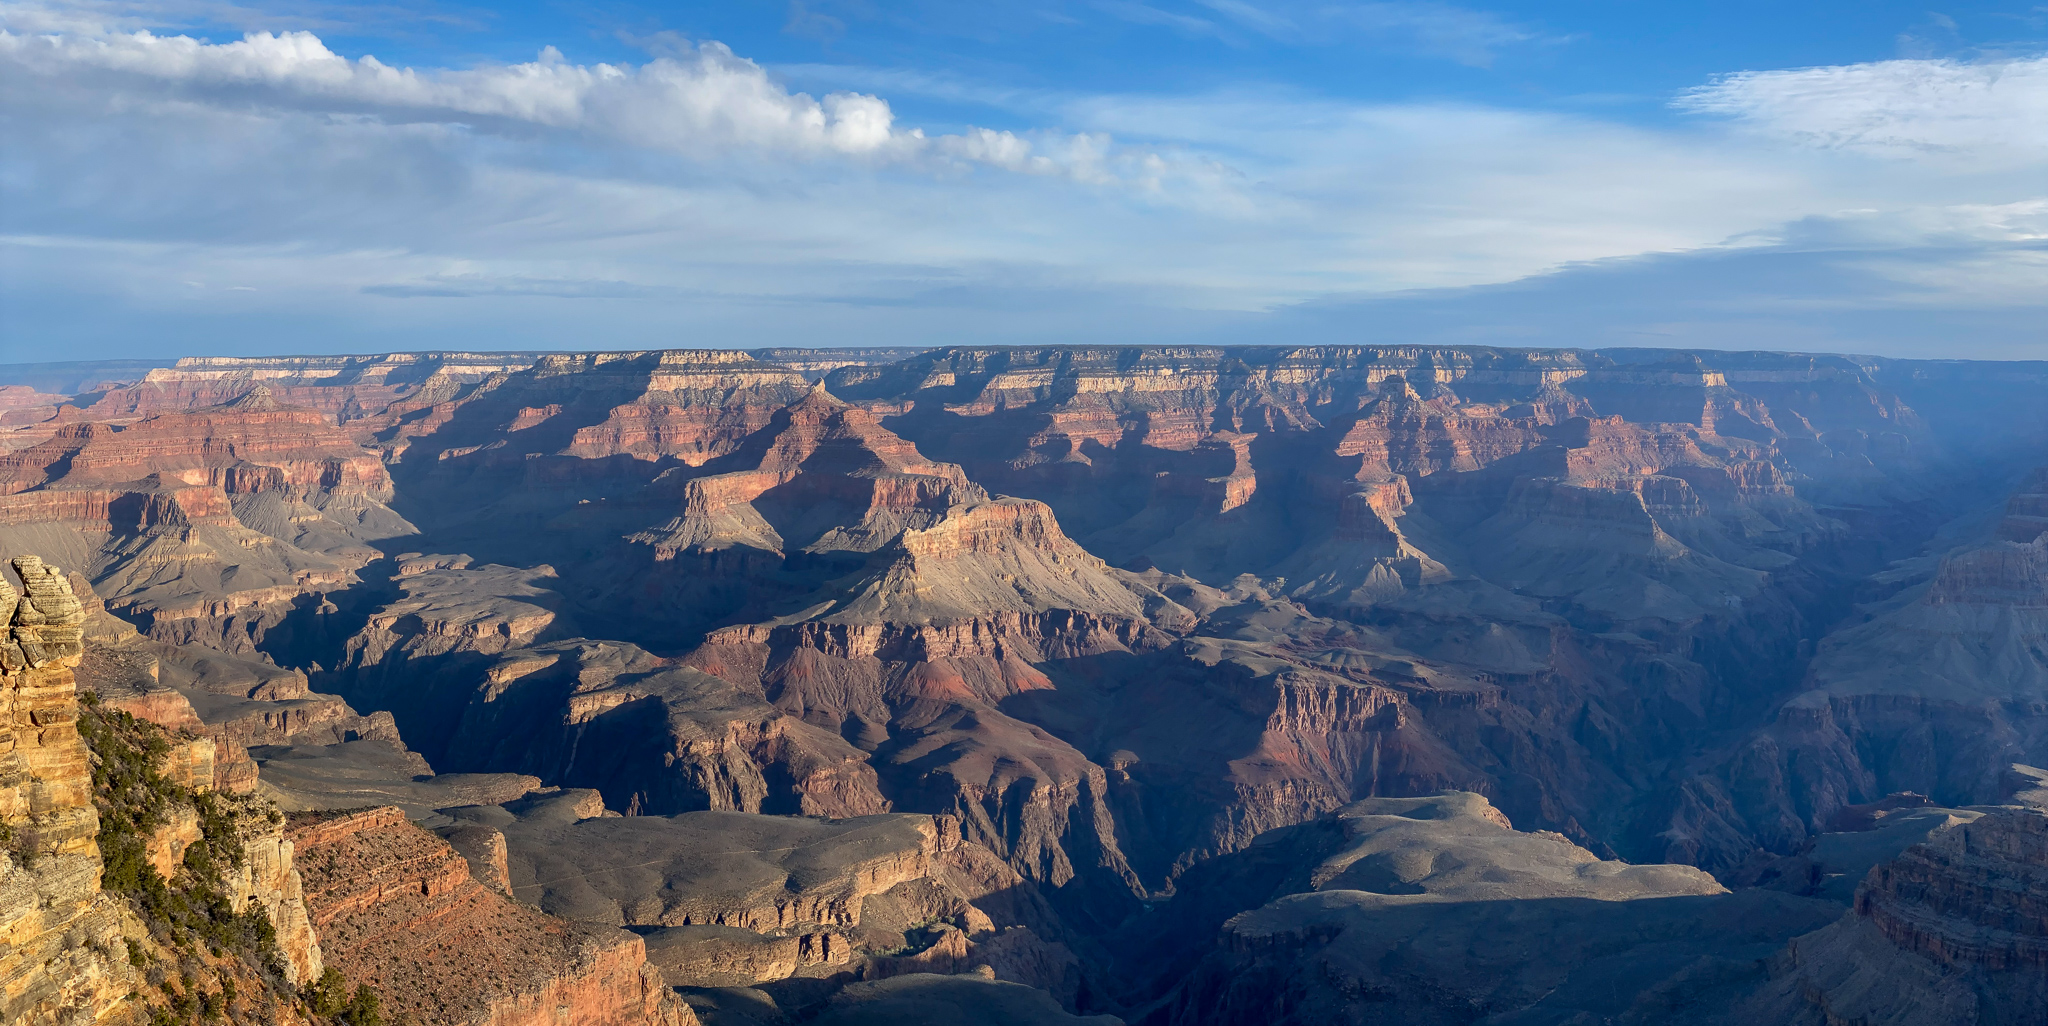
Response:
column 57, row 962
column 400, row 909
column 1117, row 618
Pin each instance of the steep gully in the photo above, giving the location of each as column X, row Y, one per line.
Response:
column 1115, row 613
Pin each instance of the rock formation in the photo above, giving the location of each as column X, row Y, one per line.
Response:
column 1943, row 675
column 1435, row 910
column 398, row 909
column 209, row 525
column 60, row 933
column 736, row 899
column 1952, row 931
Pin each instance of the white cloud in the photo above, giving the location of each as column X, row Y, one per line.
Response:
column 700, row 100
column 703, row 100
column 1982, row 111
column 696, row 189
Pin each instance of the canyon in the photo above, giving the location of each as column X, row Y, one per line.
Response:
column 1164, row 685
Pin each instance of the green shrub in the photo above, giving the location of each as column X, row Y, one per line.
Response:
column 328, row 996
column 134, row 800
column 362, row 1009
column 192, row 912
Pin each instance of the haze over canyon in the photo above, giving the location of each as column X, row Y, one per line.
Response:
column 1026, row 685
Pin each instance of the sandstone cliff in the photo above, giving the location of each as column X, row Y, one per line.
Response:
column 58, row 932
column 131, row 886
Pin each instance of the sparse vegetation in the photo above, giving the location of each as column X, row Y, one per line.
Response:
column 191, row 914
column 23, row 844
column 134, row 801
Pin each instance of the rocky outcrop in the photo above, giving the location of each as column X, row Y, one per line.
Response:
column 397, row 908
column 732, row 899
column 269, row 878
column 118, row 857
column 58, row 931
column 1974, row 895
column 653, row 736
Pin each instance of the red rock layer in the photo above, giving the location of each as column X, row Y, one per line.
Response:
column 397, row 908
column 251, row 444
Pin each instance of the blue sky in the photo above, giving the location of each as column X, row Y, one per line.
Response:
column 200, row 177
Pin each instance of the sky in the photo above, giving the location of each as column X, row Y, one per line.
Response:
column 241, row 178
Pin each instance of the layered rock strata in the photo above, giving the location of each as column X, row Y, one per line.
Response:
column 58, row 931
column 1119, row 611
column 231, row 702
column 1951, row 931
column 732, row 899
column 398, row 908
column 208, row 525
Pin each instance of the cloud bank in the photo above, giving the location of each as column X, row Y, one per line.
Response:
column 702, row 101
column 268, row 193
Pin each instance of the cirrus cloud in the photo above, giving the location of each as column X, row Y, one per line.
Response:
column 1976, row 111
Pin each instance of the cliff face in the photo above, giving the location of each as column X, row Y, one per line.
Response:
column 269, row 879
column 398, row 909
column 1950, row 931
column 58, row 932
column 1975, row 895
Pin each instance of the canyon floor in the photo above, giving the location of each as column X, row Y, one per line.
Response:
column 1033, row 685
